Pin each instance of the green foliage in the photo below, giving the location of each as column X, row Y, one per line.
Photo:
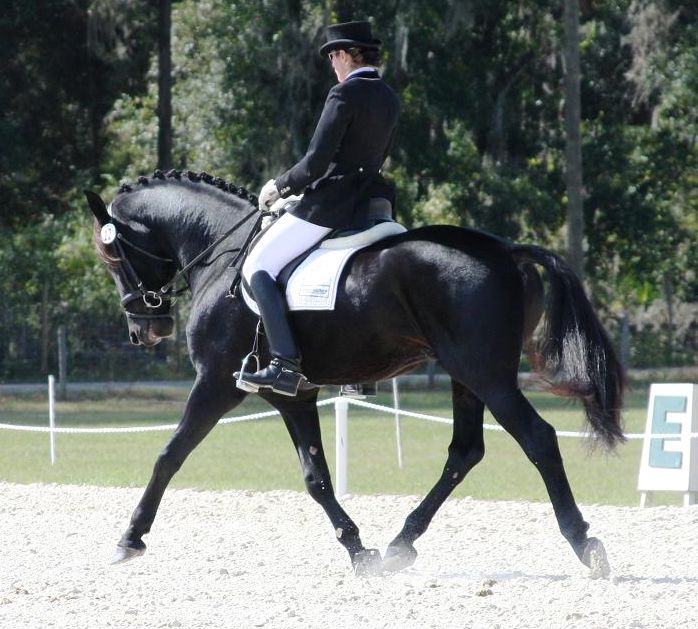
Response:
column 480, row 143
column 640, row 168
column 248, row 87
column 56, row 87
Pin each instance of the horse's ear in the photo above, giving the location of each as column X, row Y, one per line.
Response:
column 99, row 209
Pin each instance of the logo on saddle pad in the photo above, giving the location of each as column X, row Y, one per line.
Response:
column 313, row 285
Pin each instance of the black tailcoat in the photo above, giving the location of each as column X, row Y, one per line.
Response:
column 340, row 170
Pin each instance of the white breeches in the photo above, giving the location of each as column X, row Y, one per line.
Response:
column 285, row 240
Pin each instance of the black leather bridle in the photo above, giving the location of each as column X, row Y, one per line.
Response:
column 165, row 295
column 135, row 289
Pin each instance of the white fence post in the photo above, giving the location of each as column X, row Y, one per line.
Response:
column 341, row 423
column 52, row 417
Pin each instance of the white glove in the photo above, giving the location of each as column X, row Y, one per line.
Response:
column 268, row 194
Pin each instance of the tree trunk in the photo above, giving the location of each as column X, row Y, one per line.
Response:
column 625, row 340
column 164, row 85
column 62, row 363
column 573, row 145
column 44, row 328
column 669, row 299
column 431, row 375
column 344, row 10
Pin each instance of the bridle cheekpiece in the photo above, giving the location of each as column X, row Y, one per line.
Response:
column 111, row 236
column 132, row 282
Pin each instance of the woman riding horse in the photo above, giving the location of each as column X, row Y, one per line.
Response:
column 467, row 298
column 338, row 176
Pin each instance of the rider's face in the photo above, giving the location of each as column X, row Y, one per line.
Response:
column 341, row 63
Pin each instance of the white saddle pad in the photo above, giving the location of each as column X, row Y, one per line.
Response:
column 313, row 285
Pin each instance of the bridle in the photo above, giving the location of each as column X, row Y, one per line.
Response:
column 135, row 288
column 165, row 295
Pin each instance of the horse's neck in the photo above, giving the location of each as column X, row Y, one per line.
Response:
column 189, row 229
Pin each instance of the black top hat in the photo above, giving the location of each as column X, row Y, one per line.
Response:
column 349, row 35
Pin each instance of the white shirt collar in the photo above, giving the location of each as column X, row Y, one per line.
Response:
column 362, row 69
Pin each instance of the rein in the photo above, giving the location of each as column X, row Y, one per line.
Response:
column 155, row 299
column 206, row 251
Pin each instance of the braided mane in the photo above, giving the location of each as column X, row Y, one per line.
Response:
column 219, row 183
column 104, row 252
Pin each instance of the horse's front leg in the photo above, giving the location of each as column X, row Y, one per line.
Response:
column 303, row 424
column 208, row 401
column 466, row 450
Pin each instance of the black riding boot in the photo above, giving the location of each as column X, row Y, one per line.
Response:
column 283, row 375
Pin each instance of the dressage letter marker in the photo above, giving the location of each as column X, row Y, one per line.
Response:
column 669, row 453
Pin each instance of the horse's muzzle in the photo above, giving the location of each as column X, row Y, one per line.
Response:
column 151, row 332
column 148, row 340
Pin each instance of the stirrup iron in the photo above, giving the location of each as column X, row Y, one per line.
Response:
column 240, row 381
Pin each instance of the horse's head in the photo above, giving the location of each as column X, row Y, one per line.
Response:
column 140, row 269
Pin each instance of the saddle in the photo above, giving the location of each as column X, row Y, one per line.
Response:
column 310, row 281
column 338, row 245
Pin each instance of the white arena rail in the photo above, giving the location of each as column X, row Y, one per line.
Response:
column 341, row 408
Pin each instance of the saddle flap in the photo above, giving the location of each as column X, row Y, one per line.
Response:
column 311, row 280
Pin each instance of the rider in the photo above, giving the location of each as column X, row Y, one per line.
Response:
column 338, row 177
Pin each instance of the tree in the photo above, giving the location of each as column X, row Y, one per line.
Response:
column 573, row 144
column 164, row 85
column 481, row 142
column 56, row 90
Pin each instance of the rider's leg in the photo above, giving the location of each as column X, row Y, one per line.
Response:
column 285, row 240
column 283, row 374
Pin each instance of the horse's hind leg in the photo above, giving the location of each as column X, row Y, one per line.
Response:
column 207, row 403
column 466, row 449
column 538, row 440
column 303, row 424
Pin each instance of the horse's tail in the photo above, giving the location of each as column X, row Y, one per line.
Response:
column 574, row 355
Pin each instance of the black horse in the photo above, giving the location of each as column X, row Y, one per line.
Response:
column 467, row 298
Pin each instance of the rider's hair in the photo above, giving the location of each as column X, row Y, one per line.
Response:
column 365, row 56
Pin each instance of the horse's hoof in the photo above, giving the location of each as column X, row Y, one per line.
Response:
column 594, row 557
column 399, row 556
column 367, row 563
column 126, row 553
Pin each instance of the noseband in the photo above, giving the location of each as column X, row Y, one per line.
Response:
column 132, row 282
column 166, row 294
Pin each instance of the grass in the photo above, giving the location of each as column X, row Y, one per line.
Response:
column 259, row 455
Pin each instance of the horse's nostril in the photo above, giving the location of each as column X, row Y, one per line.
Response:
column 134, row 338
